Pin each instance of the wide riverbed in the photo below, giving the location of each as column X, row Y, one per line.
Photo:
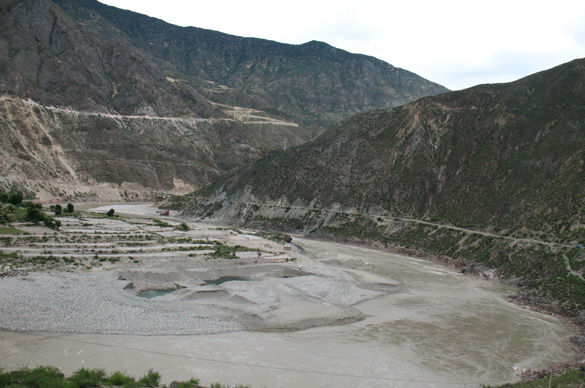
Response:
column 441, row 330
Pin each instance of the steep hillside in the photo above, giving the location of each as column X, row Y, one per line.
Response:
column 56, row 152
column 47, row 57
column 314, row 83
column 505, row 155
column 492, row 175
column 126, row 100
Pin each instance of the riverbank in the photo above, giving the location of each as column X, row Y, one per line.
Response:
column 415, row 317
column 267, row 287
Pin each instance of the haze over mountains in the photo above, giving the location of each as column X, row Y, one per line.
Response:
column 99, row 101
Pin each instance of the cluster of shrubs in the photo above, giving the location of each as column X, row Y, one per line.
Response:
column 13, row 208
column 58, row 209
column 51, row 377
column 13, row 196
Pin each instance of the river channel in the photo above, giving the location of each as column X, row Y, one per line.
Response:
column 442, row 329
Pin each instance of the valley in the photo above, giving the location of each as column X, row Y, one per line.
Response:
column 305, row 313
column 488, row 180
column 111, row 105
column 326, row 218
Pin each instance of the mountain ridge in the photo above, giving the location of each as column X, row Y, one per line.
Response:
column 422, row 134
column 83, row 56
column 244, row 63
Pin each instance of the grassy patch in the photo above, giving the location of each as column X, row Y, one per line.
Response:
column 14, row 261
column 11, row 230
column 283, row 222
column 222, row 251
column 160, row 223
column 571, row 379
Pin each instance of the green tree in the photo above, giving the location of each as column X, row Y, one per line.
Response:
column 70, row 208
column 110, row 213
column 15, row 197
column 58, row 209
column 51, row 223
column 34, row 214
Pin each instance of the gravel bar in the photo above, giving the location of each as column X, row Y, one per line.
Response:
column 85, row 303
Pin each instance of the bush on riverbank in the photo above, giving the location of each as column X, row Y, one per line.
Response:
column 51, row 377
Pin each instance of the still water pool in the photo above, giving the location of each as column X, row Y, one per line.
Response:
column 225, row 279
column 149, row 294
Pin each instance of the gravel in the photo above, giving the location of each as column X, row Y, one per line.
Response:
column 329, row 290
column 98, row 303
column 87, row 304
column 255, row 292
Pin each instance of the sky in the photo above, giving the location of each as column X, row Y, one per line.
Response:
column 457, row 44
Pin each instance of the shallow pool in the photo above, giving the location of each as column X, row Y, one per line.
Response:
column 149, row 294
column 224, row 279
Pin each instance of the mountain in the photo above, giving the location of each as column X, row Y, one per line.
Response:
column 314, row 83
column 101, row 102
column 489, row 176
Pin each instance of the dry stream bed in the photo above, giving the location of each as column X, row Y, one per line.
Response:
column 308, row 314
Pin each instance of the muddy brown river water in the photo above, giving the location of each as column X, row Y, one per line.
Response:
column 442, row 330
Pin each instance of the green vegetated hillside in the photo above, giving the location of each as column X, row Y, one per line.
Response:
column 92, row 96
column 488, row 177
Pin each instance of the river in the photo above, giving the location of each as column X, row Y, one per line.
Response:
column 442, row 330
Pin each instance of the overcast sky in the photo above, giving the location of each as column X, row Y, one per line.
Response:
column 455, row 43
